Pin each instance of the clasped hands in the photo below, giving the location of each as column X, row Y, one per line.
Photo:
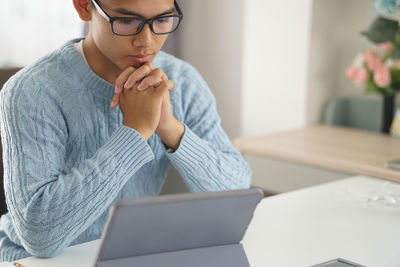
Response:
column 144, row 100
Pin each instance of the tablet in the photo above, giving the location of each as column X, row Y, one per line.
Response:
column 338, row 263
column 177, row 228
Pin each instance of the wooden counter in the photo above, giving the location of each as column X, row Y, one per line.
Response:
column 336, row 148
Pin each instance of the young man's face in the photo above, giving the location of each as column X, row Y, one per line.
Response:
column 124, row 51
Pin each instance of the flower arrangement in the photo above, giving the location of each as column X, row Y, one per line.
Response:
column 376, row 70
column 379, row 69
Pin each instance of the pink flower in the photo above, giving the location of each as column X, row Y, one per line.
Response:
column 351, row 73
column 386, row 46
column 398, row 64
column 370, row 54
column 372, row 59
column 382, row 76
column 361, row 77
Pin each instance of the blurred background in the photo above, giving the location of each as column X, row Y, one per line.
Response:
column 272, row 65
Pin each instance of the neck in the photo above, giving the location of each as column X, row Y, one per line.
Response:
column 99, row 64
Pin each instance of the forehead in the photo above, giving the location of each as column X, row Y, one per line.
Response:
column 146, row 8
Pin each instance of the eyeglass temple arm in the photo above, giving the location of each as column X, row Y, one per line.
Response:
column 178, row 9
column 101, row 11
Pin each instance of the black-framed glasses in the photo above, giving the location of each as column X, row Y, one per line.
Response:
column 127, row 26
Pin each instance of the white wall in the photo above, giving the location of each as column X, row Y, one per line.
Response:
column 254, row 56
column 30, row 29
column 275, row 57
column 335, row 41
column 211, row 38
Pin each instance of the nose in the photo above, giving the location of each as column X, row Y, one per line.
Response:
column 144, row 37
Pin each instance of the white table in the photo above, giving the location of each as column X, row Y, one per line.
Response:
column 324, row 222
column 303, row 228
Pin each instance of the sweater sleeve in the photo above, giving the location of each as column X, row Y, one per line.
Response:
column 205, row 158
column 50, row 206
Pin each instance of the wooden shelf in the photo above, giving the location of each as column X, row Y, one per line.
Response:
column 337, row 148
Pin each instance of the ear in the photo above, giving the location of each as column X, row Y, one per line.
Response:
column 83, row 8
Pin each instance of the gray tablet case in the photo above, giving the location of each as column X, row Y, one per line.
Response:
column 193, row 229
column 338, row 263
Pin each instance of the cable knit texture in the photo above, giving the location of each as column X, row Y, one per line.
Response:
column 67, row 156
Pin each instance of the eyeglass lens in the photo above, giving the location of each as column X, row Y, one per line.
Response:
column 132, row 25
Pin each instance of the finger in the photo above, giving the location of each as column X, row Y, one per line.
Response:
column 120, row 81
column 164, row 87
column 115, row 100
column 139, row 74
column 170, row 85
column 153, row 79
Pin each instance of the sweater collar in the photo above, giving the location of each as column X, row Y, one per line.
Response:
column 84, row 73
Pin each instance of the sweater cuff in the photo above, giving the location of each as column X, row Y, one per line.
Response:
column 124, row 141
column 190, row 154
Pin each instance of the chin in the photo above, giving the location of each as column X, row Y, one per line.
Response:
column 123, row 64
column 136, row 64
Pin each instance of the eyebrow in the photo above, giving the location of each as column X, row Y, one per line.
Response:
column 131, row 13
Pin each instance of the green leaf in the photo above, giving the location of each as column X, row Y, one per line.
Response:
column 393, row 90
column 372, row 88
column 382, row 30
column 389, row 90
column 396, row 52
column 395, row 76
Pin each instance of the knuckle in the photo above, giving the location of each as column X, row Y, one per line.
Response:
column 150, row 65
column 130, row 69
column 146, row 67
column 126, row 72
column 168, row 83
column 158, row 71
column 148, row 70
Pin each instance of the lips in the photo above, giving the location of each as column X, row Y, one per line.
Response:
column 139, row 59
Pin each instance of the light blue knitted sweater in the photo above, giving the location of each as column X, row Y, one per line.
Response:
column 67, row 156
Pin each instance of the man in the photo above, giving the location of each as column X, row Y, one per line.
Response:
column 101, row 119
